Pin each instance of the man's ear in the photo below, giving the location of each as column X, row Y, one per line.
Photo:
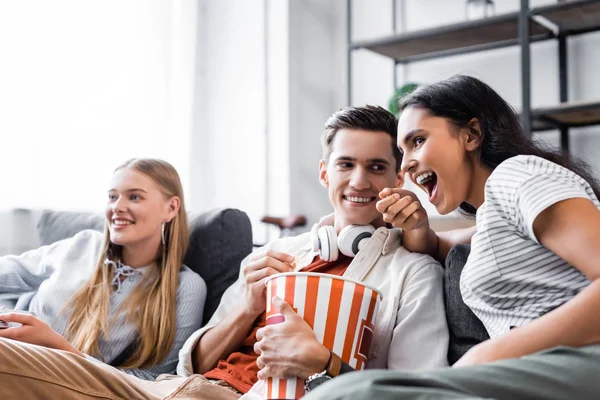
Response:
column 400, row 179
column 323, row 178
column 473, row 135
column 173, row 208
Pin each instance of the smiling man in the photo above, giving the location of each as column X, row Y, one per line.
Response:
column 359, row 160
column 232, row 355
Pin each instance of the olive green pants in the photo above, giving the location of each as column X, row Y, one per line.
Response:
column 562, row 373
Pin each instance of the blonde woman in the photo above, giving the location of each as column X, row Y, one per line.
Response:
column 122, row 297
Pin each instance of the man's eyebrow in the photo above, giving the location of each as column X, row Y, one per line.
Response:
column 412, row 133
column 371, row 160
column 379, row 161
column 345, row 158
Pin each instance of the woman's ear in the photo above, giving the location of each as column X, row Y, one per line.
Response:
column 174, row 205
column 323, row 178
column 473, row 135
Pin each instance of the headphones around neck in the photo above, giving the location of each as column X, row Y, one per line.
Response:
column 349, row 242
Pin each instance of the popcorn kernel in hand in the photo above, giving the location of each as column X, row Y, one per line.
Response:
column 294, row 263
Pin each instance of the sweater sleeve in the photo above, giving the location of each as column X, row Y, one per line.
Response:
column 26, row 272
column 191, row 297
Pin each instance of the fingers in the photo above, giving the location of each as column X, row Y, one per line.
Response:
column 278, row 255
column 390, row 191
column 393, row 196
column 268, row 372
column 270, row 368
column 401, row 211
column 259, row 362
column 260, row 275
column 260, row 334
column 9, row 333
column 23, row 319
column 264, row 371
column 387, row 202
column 277, row 261
column 268, row 261
column 401, row 208
column 391, row 208
column 284, row 308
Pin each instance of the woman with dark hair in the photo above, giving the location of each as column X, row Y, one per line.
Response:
column 532, row 274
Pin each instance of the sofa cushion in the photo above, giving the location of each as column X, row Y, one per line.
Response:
column 466, row 330
column 58, row 225
column 219, row 240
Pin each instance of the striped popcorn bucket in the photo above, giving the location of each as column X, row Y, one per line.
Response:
column 340, row 311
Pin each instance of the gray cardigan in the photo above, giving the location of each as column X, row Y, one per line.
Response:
column 41, row 281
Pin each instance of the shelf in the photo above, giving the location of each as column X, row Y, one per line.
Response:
column 572, row 17
column 482, row 34
column 572, row 114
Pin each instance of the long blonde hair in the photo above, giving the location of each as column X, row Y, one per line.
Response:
column 152, row 304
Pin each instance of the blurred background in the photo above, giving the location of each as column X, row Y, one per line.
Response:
column 235, row 93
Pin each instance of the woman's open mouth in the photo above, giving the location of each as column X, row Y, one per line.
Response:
column 428, row 180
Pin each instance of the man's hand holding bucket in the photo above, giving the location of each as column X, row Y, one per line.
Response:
column 290, row 348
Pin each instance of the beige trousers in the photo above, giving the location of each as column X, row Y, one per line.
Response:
column 35, row 372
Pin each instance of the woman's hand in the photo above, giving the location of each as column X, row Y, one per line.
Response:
column 482, row 353
column 34, row 331
column 402, row 209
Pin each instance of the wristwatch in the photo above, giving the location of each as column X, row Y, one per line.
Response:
column 315, row 380
column 333, row 369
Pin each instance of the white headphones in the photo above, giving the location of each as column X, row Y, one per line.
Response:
column 349, row 242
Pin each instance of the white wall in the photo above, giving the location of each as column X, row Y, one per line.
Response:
column 317, row 90
column 228, row 143
column 256, row 141
column 85, row 86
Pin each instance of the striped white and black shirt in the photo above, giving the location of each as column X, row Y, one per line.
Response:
column 43, row 280
column 510, row 278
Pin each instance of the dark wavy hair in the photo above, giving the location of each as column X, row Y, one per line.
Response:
column 461, row 98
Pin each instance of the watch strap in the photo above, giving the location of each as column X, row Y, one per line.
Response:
column 315, row 380
column 334, row 365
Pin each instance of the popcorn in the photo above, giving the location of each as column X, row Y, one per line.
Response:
column 294, row 263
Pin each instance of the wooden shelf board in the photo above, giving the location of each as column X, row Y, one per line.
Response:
column 441, row 41
column 570, row 114
column 574, row 16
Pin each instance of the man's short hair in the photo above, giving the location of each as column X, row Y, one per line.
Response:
column 368, row 118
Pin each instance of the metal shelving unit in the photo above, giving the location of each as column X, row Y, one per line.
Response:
column 567, row 19
column 552, row 22
column 450, row 40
